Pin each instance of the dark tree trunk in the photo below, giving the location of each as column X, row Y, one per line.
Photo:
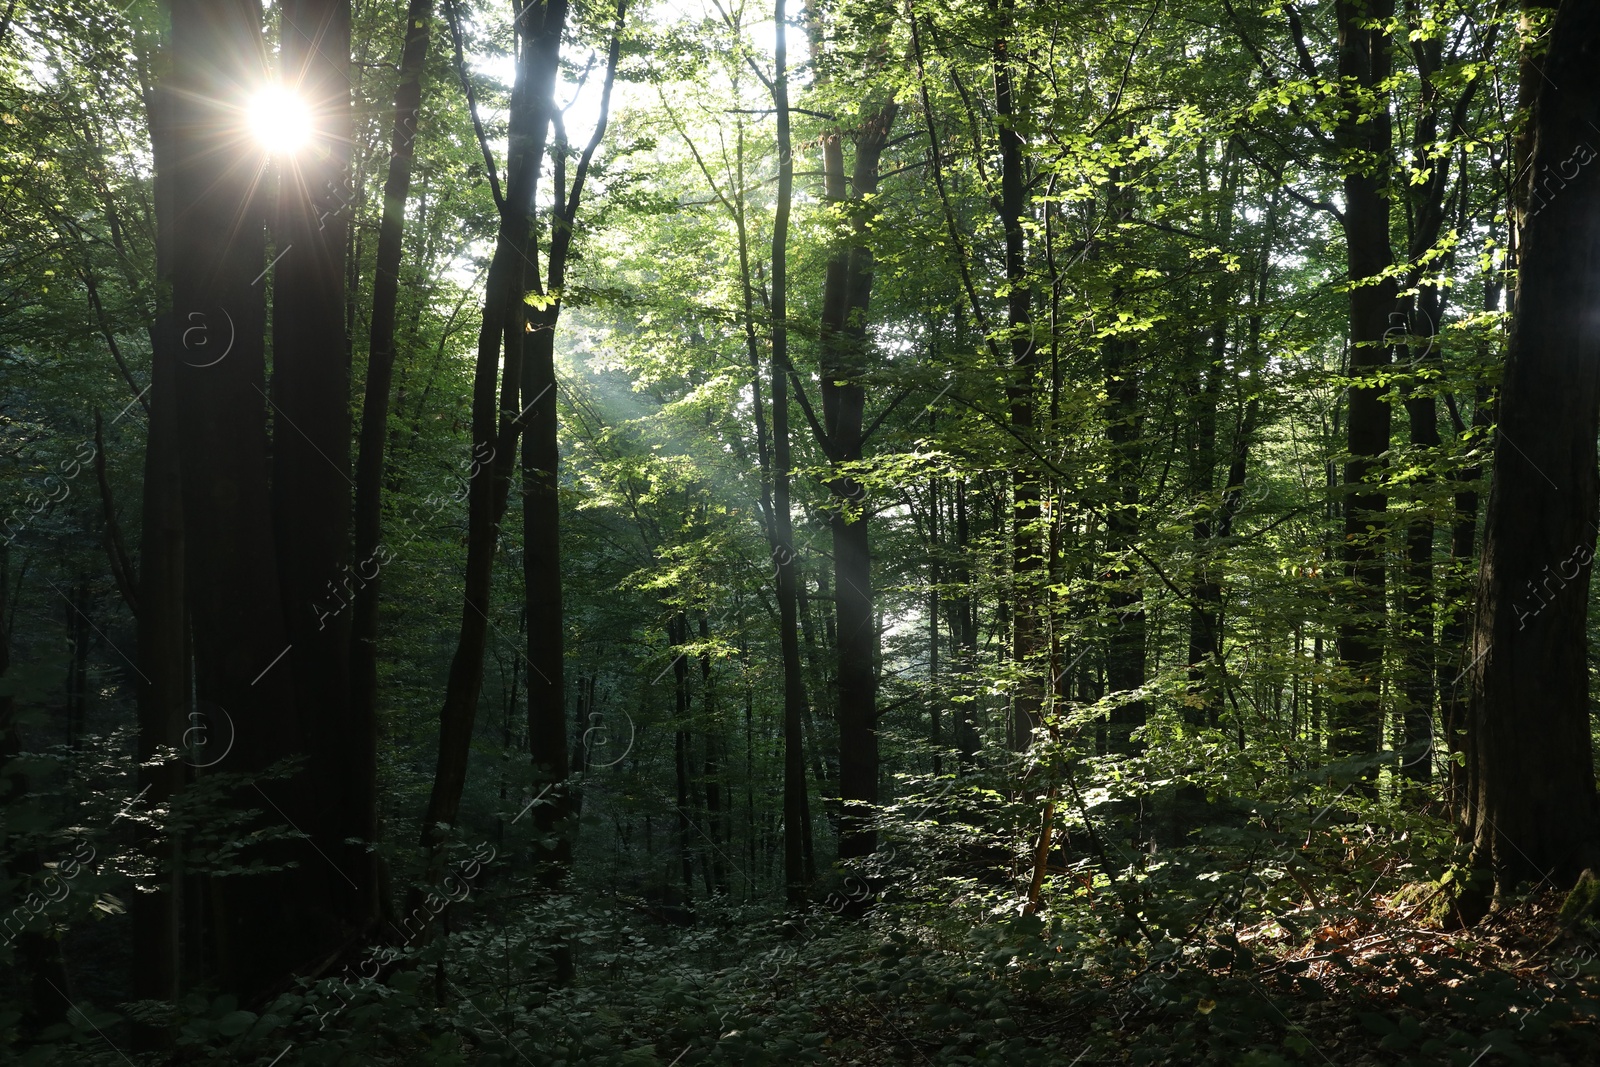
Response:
column 40, row 954
column 374, row 427
column 1456, row 631
column 1214, row 521
column 311, row 447
column 267, row 925
column 847, row 296
column 1205, row 589
column 1455, row 635
column 964, row 627
column 541, row 459
column 1417, row 597
column 538, row 27
column 78, row 627
column 1365, row 135
column 716, row 815
column 796, row 796
column 1125, row 649
column 163, row 691
column 935, row 735
column 1426, row 216
column 1027, row 634
column 1533, row 773
column 678, row 635
column 796, row 814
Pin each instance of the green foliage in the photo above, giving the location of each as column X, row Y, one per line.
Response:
column 1208, row 893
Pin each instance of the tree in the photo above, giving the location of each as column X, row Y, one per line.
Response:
column 796, row 825
column 1533, row 794
column 500, row 363
column 375, row 407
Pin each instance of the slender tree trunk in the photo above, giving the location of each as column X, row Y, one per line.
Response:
column 1126, row 647
column 541, row 459
column 1417, row 598
column 1533, row 773
column 1027, row 635
column 716, row 816
column 1365, row 137
column 795, row 802
column 1215, row 514
column 1205, row 590
column 1426, row 216
column 1455, row 633
column 538, row 27
column 1126, row 644
column 964, row 624
column 374, row 427
column 678, row 634
column 935, row 734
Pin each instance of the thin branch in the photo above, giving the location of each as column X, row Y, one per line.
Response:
column 811, row 415
column 773, row 111
column 472, row 104
column 870, row 430
column 1297, row 30
column 958, row 245
column 612, row 56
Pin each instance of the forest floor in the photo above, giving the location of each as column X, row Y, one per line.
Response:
column 1380, row 988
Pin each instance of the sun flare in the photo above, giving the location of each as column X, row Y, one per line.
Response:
column 279, row 121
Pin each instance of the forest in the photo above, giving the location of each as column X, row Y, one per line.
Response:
column 627, row 532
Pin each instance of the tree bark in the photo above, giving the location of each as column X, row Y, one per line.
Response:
column 539, row 27
column 541, row 460
column 847, row 296
column 964, row 628
column 1126, row 647
column 795, row 798
column 163, row 654
column 311, row 444
column 374, row 425
column 1533, row 775
column 1027, row 635
column 268, row 925
column 1365, row 137
column 678, row 635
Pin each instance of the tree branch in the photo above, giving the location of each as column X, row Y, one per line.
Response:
column 472, row 104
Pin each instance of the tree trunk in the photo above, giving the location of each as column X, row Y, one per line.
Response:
column 1027, row 635
column 964, row 628
column 1125, row 650
column 1417, row 597
column 847, row 296
column 539, row 27
column 716, row 815
column 267, row 925
column 1366, row 137
column 374, row 429
column 1533, row 774
column 164, row 667
column 796, row 816
column 1205, row 589
column 541, row 459
column 1455, row 632
column 678, row 634
column 311, row 446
